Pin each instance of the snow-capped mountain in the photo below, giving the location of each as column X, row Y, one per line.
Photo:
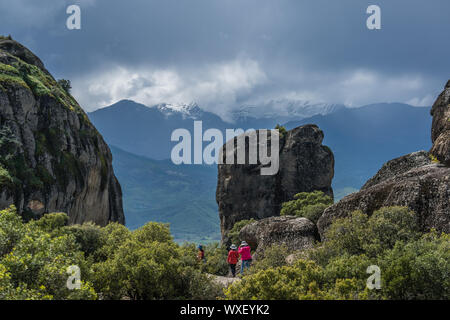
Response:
column 187, row 111
column 283, row 110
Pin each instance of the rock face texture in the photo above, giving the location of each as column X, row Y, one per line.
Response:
column 414, row 181
column 296, row 233
column 440, row 131
column 398, row 166
column 51, row 156
column 425, row 190
column 305, row 165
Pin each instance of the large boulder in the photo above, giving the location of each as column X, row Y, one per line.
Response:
column 440, row 132
column 51, row 157
column 305, row 165
column 295, row 233
column 425, row 190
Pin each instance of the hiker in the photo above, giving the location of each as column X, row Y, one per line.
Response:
column 233, row 258
column 246, row 256
column 201, row 254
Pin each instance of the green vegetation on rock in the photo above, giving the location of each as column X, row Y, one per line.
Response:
column 413, row 265
column 309, row 205
column 233, row 235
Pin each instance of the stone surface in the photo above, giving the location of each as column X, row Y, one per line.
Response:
column 296, row 233
column 398, row 166
column 425, row 190
column 63, row 163
column 305, row 165
column 440, row 131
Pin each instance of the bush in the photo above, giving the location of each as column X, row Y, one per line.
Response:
column 87, row 236
column 413, row 266
column 216, row 260
column 273, row 257
column 307, row 204
column 147, row 264
column 34, row 261
column 52, row 221
column 281, row 130
column 233, row 234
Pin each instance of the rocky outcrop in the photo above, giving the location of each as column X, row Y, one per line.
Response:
column 440, row 132
column 305, row 165
column 398, row 166
column 51, row 156
column 416, row 181
column 425, row 190
column 295, row 233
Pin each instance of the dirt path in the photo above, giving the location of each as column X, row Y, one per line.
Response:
column 224, row 281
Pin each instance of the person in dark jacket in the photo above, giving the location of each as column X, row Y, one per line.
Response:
column 201, row 254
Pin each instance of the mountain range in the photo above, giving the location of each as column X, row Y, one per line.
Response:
column 362, row 139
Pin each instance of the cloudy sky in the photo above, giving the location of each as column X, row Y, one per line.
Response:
column 226, row 53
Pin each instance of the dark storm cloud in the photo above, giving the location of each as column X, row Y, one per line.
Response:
column 227, row 52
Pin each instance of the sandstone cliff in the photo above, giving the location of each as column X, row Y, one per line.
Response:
column 51, row 156
column 305, row 165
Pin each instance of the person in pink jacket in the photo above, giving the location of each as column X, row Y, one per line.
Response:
column 246, row 256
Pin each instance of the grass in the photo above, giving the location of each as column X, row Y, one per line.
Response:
column 40, row 83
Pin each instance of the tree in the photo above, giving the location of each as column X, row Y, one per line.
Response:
column 281, row 130
column 65, row 85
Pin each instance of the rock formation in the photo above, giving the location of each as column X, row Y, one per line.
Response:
column 51, row 156
column 293, row 232
column 440, row 132
column 398, row 166
column 416, row 181
column 425, row 190
column 305, row 165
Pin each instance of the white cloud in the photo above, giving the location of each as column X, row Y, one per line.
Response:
column 214, row 87
column 222, row 86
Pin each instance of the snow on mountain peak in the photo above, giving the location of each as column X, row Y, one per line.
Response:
column 190, row 110
column 284, row 109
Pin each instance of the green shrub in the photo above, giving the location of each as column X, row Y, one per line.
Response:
column 413, row 266
column 216, row 260
column 65, row 85
column 272, row 257
column 88, row 236
column 281, row 130
column 34, row 262
column 52, row 221
column 233, row 234
column 307, row 204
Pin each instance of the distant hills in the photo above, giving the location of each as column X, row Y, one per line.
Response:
column 146, row 131
column 158, row 190
column 362, row 139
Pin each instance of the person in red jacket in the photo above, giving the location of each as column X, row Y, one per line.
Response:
column 233, row 258
column 246, row 256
